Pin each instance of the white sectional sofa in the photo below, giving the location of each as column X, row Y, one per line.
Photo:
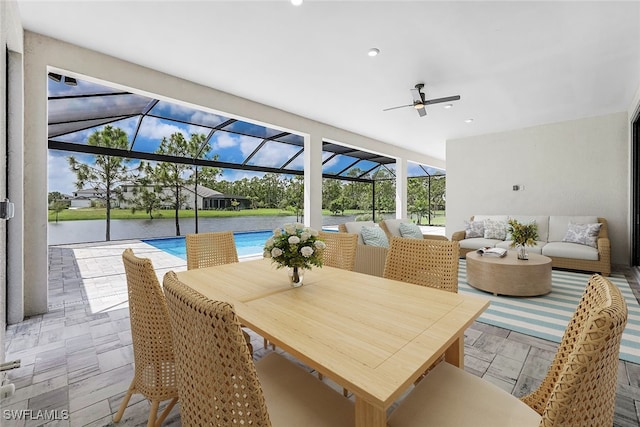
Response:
column 553, row 240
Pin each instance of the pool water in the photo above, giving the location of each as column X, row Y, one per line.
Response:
column 247, row 243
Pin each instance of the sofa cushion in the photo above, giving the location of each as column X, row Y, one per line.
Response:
column 584, row 234
column 473, row 229
column 495, row 229
column 356, row 227
column 570, row 250
column 393, row 225
column 558, row 225
column 410, row 230
column 374, row 236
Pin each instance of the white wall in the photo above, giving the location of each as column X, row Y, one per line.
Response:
column 578, row 167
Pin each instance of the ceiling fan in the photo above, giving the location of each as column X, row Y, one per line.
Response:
column 419, row 101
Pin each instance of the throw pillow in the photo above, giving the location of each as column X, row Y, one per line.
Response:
column 355, row 227
column 473, row 229
column 393, row 226
column 410, row 230
column 495, row 229
column 584, row 234
column 374, row 236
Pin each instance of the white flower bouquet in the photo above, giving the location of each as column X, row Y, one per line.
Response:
column 295, row 246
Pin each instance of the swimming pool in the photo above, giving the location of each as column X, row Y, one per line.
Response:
column 247, row 243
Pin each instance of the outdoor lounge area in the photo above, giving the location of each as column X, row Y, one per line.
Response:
column 530, row 109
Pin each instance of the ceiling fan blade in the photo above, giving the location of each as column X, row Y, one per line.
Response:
column 400, row 106
column 439, row 100
column 422, row 111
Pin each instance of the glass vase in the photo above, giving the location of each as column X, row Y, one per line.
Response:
column 522, row 252
column 295, row 276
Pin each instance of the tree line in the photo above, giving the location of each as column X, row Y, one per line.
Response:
column 108, row 174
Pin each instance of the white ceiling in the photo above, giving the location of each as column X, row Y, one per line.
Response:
column 515, row 64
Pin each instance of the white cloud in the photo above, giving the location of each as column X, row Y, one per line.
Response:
column 206, row 118
column 157, row 129
column 60, row 176
column 274, row 155
column 225, row 140
column 246, row 144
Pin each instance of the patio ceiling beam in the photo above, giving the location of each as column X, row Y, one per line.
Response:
column 87, row 95
column 104, row 151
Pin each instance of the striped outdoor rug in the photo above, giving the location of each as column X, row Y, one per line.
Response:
column 547, row 316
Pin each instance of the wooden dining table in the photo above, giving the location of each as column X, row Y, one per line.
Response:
column 373, row 336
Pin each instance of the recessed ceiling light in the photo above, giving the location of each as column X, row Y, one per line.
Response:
column 296, row 2
column 447, row 106
column 374, row 51
column 468, row 121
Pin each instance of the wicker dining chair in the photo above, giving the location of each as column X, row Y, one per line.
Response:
column 154, row 372
column 209, row 249
column 340, row 251
column 424, row 262
column 578, row 390
column 220, row 385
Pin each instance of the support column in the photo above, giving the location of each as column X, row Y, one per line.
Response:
column 36, row 251
column 313, row 181
column 401, row 188
column 15, row 192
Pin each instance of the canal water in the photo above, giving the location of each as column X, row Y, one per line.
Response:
column 65, row 232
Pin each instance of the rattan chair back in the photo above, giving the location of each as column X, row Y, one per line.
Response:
column 154, row 373
column 209, row 249
column 218, row 383
column 340, row 251
column 424, row 262
column 580, row 386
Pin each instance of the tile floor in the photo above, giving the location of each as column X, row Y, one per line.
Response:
column 77, row 359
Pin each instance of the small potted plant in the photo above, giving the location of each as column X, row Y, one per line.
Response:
column 296, row 247
column 522, row 235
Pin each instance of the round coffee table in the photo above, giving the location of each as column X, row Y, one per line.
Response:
column 509, row 275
